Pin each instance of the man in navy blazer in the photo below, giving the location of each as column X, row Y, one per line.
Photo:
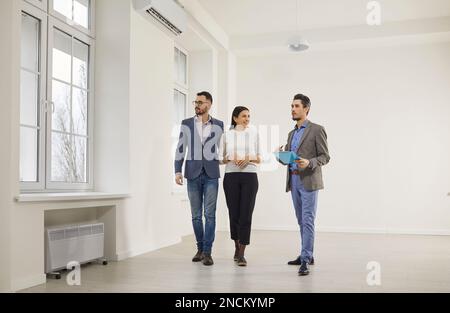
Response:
column 200, row 138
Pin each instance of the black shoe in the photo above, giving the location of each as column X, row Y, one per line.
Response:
column 207, row 260
column 198, row 257
column 304, row 270
column 297, row 261
column 236, row 256
column 242, row 261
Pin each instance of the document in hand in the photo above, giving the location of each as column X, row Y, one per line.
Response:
column 286, row 157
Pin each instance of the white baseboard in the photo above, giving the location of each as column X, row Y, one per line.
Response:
column 145, row 249
column 356, row 230
column 28, row 282
column 386, row 231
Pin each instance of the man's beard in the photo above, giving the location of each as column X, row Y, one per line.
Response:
column 199, row 111
column 296, row 119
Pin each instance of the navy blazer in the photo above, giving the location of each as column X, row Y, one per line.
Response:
column 199, row 155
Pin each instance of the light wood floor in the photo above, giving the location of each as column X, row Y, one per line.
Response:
column 408, row 264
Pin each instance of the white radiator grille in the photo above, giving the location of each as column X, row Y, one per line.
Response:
column 82, row 243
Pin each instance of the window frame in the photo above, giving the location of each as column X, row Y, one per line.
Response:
column 184, row 89
column 58, row 186
column 39, row 4
column 178, row 84
column 33, row 11
column 184, row 92
column 177, row 188
column 87, row 31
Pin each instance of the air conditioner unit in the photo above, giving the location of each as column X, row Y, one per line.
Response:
column 81, row 243
column 167, row 12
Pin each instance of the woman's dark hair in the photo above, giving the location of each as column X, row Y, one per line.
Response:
column 236, row 112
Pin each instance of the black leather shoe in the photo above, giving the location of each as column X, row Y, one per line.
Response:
column 198, row 257
column 304, row 270
column 241, row 261
column 207, row 260
column 297, row 261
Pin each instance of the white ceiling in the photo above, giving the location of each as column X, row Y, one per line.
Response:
column 253, row 17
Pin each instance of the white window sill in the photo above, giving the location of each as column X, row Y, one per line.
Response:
column 78, row 196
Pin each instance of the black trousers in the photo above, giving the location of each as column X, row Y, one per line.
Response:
column 240, row 193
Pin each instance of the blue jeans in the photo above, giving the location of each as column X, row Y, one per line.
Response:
column 202, row 192
column 305, row 203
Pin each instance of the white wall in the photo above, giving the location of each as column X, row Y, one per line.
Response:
column 134, row 95
column 112, row 67
column 387, row 114
column 9, row 59
column 200, row 73
column 150, row 218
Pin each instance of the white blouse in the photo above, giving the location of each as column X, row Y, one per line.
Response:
column 241, row 144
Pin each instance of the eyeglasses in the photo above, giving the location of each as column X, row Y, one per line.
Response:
column 199, row 103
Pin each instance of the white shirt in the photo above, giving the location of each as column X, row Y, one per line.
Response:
column 203, row 129
column 241, row 144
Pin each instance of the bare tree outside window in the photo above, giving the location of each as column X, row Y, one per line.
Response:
column 69, row 142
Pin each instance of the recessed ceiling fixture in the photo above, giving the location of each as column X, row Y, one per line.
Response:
column 298, row 43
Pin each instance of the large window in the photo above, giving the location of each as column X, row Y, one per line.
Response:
column 180, row 94
column 56, row 109
column 78, row 13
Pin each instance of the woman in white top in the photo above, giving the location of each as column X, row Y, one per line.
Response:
column 241, row 154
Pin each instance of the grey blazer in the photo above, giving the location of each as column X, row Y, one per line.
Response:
column 313, row 147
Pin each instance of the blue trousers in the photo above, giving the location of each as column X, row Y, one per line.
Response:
column 202, row 192
column 305, row 204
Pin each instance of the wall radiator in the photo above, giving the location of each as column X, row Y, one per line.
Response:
column 81, row 243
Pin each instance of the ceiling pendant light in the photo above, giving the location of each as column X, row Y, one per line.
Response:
column 298, row 43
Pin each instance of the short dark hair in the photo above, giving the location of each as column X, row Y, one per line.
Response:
column 207, row 95
column 304, row 99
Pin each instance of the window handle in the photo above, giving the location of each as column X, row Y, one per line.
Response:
column 44, row 104
column 47, row 103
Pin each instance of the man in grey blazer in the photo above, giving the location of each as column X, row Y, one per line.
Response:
column 200, row 138
column 304, row 177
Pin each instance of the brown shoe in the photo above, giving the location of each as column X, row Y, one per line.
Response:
column 242, row 261
column 198, row 257
column 207, row 260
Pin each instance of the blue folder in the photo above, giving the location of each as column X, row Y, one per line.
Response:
column 286, row 157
